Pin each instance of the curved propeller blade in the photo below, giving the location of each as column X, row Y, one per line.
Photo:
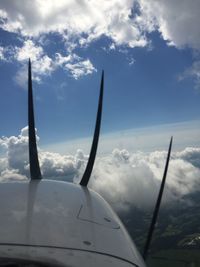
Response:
column 90, row 164
column 156, row 210
column 35, row 172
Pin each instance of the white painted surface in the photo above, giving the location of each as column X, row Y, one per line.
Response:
column 72, row 218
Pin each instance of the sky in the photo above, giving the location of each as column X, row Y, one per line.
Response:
column 150, row 52
column 151, row 63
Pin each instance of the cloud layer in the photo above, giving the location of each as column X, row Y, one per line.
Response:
column 121, row 21
column 123, row 178
column 73, row 19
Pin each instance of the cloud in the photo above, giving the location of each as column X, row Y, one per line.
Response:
column 74, row 64
column 43, row 65
column 6, row 53
column 192, row 72
column 15, row 146
column 2, row 53
column 28, row 50
column 177, row 21
column 83, row 20
column 12, row 175
column 191, row 154
column 124, row 178
column 79, row 23
column 134, row 178
column 53, row 165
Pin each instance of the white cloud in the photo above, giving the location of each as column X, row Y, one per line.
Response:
column 191, row 154
column 76, row 65
column 134, row 179
column 2, row 56
column 17, row 145
column 80, row 68
column 125, row 23
column 124, row 178
column 12, row 175
column 42, row 64
column 78, row 22
column 52, row 164
column 6, row 53
column 192, row 72
column 73, row 18
column 178, row 21
column 29, row 50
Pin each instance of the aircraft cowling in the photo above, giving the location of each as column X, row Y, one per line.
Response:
column 62, row 224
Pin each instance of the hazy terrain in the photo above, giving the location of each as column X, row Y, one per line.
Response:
column 176, row 240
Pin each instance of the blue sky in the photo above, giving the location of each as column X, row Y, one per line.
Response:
column 151, row 66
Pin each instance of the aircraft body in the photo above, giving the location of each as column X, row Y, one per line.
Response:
column 55, row 223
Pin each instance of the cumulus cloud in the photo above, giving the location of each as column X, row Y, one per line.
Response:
column 45, row 65
column 15, row 146
column 6, row 53
column 78, row 23
column 88, row 20
column 178, row 23
column 42, row 63
column 74, row 64
column 91, row 18
column 192, row 72
column 192, row 155
column 176, row 20
column 29, row 50
column 53, row 165
column 134, row 178
column 122, row 177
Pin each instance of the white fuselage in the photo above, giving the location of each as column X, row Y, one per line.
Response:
column 62, row 224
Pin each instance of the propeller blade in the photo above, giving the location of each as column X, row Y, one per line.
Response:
column 156, row 210
column 90, row 164
column 35, row 172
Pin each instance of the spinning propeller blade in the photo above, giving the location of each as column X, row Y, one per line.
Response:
column 156, row 210
column 90, row 164
column 35, row 172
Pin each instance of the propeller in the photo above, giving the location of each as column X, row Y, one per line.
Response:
column 86, row 176
column 156, row 210
column 35, row 172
